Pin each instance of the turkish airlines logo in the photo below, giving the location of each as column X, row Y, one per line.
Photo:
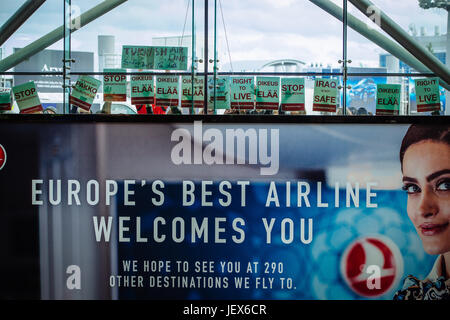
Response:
column 2, row 157
column 372, row 266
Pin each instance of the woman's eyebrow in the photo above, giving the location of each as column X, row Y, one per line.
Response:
column 409, row 179
column 437, row 174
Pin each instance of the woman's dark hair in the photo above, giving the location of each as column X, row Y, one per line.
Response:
column 420, row 132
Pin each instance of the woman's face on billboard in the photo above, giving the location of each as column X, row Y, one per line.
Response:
column 426, row 179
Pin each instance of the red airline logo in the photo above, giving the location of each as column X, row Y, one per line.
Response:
column 372, row 266
column 2, row 157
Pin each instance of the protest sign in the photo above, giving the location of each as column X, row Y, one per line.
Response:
column 84, row 92
column 142, row 89
column 427, row 94
column 292, row 94
column 115, row 85
column 242, row 93
column 27, row 98
column 186, row 88
column 388, row 99
column 167, row 90
column 5, row 99
column 325, row 95
column 267, row 93
column 222, row 94
column 157, row 58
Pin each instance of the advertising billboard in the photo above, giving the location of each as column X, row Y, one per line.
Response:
column 252, row 211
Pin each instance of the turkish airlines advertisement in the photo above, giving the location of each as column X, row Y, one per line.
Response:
column 220, row 211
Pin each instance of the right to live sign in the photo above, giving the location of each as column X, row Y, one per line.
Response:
column 242, row 93
column 427, row 94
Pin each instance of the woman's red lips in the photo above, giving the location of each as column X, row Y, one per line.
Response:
column 431, row 229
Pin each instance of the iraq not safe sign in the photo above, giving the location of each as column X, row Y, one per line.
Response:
column 325, row 95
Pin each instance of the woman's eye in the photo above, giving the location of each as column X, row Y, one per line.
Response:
column 411, row 188
column 443, row 186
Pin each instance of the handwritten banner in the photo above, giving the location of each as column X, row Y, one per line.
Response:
column 142, row 89
column 170, row 58
column 293, row 94
column 167, row 90
column 156, row 58
column 27, row 98
column 242, row 93
column 388, row 99
column 267, row 93
column 137, row 57
column 84, row 92
column 115, row 85
column 427, row 94
column 325, row 95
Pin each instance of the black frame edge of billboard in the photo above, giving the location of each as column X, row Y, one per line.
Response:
column 279, row 119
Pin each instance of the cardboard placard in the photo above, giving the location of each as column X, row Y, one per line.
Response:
column 427, row 94
column 325, row 95
column 84, row 92
column 222, row 93
column 170, row 58
column 5, row 99
column 267, row 93
column 293, row 94
column 138, row 57
column 388, row 99
column 115, row 85
column 186, row 90
column 142, row 90
column 242, row 93
column 167, row 90
column 156, row 58
column 27, row 98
